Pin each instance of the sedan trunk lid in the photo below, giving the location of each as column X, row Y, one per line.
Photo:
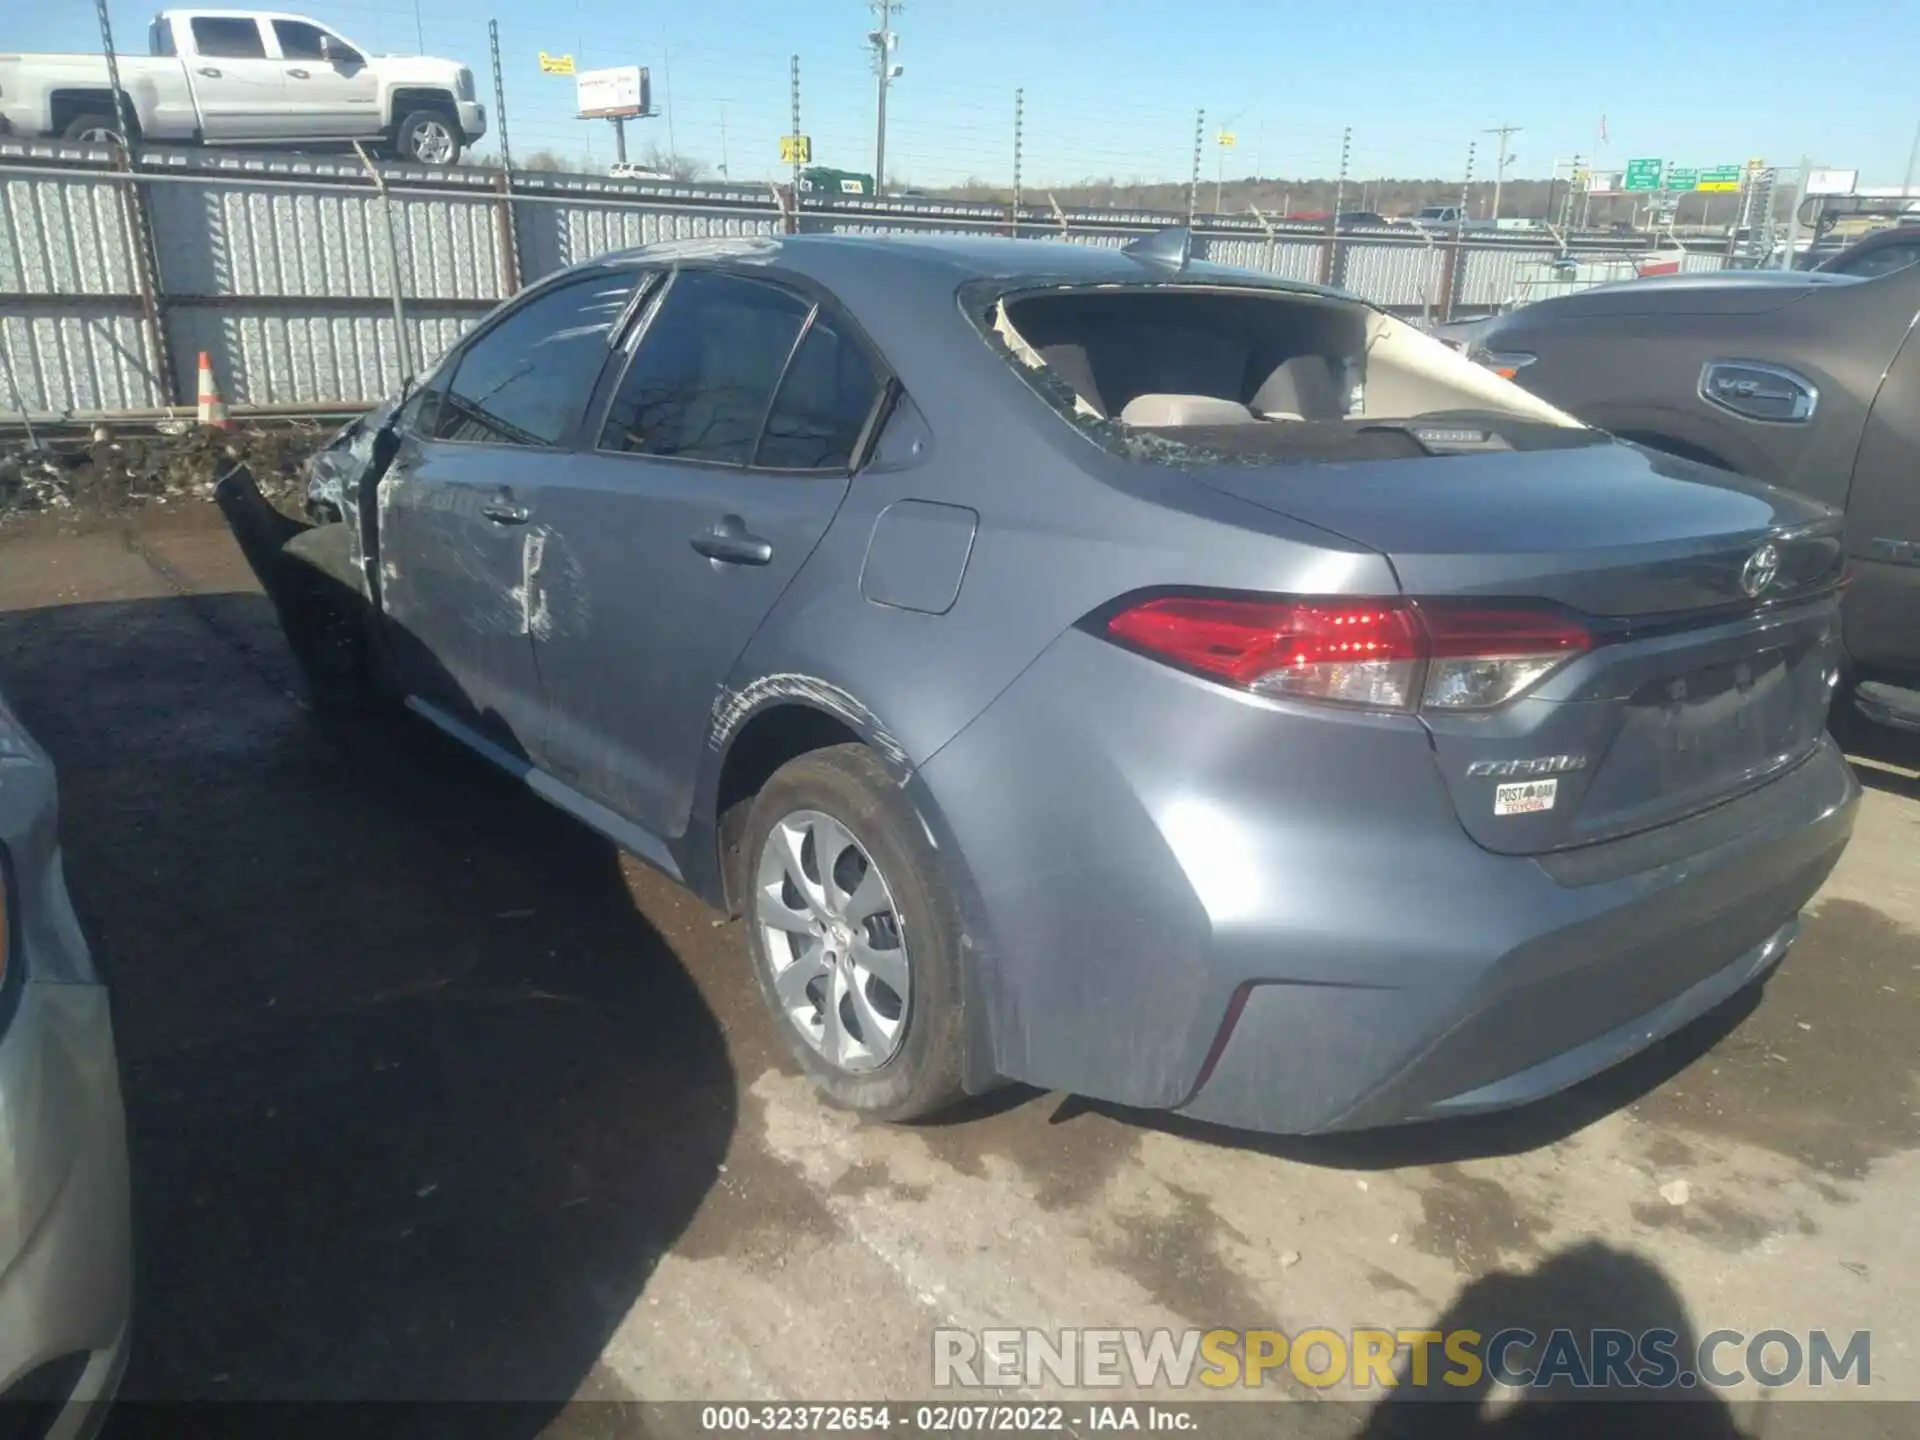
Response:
column 1709, row 600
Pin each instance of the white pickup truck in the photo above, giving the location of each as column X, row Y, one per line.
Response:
column 249, row 77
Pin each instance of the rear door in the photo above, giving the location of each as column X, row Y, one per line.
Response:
column 240, row 89
column 463, row 551
column 326, row 95
column 723, row 453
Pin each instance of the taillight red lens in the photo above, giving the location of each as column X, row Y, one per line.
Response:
column 1350, row 652
column 1385, row 654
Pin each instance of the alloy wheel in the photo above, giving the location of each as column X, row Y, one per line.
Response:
column 433, row 143
column 833, row 937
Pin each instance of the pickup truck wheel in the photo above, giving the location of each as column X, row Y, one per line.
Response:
column 428, row 137
column 94, row 128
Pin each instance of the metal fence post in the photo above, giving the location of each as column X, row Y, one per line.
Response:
column 1019, row 108
column 793, row 213
column 1193, row 183
column 1330, row 265
column 402, row 343
column 1267, row 249
column 506, row 226
column 143, row 253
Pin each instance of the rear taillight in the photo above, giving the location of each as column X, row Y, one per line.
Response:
column 1390, row 654
column 1479, row 658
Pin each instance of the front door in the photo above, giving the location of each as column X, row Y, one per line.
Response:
column 330, row 89
column 240, row 91
column 722, row 458
column 465, row 553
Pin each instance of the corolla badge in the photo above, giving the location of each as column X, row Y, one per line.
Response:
column 1759, row 571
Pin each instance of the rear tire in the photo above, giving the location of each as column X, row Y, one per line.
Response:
column 95, row 127
column 871, row 1004
column 428, row 137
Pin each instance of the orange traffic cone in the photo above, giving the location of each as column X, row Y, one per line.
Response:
column 213, row 410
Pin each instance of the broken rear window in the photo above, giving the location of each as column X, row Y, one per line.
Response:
column 1208, row 373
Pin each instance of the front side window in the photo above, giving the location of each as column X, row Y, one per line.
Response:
column 824, row 401
column 228, row 38
column 526, row 380
column 702, row 380
column 1882, row 261
column 299, row 40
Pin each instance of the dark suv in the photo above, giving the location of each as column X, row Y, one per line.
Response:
column 1805, row 379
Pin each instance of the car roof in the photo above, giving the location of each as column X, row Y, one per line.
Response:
column 837, row 260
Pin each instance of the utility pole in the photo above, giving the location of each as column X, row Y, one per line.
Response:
column 1500, row 166
column 1913, row 162
column 885, row 72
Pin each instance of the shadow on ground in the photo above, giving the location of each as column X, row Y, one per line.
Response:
column 1590, row 1287
column 1885, row 752
column 416, row 1096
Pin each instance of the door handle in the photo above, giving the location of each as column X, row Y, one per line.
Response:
column 505, row 512
column 731, row 543
column 210, row 72
column 298, row 74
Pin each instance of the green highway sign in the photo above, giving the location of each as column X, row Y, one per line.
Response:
column 1644, row 174
column 1721, row 177
column 1680, row 180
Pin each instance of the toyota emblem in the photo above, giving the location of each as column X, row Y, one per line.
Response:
column 1757, row 574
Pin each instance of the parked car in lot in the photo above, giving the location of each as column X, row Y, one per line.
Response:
column 66, row 1273
column 1166, row 683
column 249, row 77
column 1809, row 380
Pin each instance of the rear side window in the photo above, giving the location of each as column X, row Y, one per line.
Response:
column 702, row 380
column 527, row 379
column 823, row 404
column 229, row 38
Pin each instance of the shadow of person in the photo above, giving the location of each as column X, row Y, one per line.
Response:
column 1589, row 1287
column 416, row 1095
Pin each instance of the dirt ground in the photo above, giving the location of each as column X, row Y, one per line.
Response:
column 434, row 1095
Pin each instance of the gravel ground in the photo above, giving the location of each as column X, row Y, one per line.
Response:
column 434, row 1095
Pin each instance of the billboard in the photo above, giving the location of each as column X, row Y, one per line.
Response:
column 1823, row 181
column 621, row 92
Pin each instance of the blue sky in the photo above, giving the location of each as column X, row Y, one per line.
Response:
column 1112, row 85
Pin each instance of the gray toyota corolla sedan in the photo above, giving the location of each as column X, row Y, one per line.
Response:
column 66, row 1273
column 1129, row 676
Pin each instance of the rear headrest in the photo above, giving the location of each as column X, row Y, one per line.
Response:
column 1152, row 412
column 1305, row 386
